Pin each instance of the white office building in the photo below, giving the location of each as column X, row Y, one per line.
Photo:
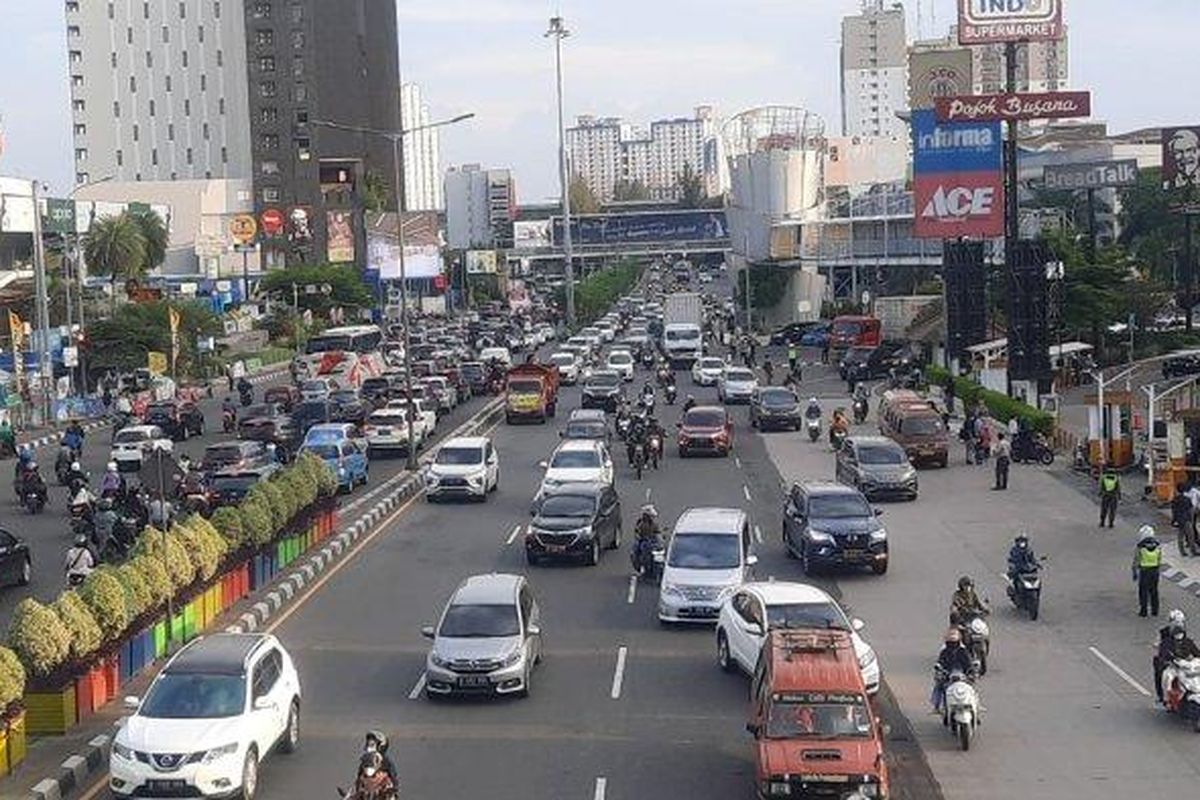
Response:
column 1041, row 66
column 158, row 90
column 608, row 151
column 422, row 154
column 874, row 66
column 480, row 207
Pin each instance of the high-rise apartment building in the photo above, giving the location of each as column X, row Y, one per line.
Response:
column 422, row 153
column 480, row 207
column 242, row 89
column 874, row 67
column 1041, row 66
column 608, row 152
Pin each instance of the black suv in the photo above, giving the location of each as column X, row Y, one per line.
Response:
column 602, row 389
column 575, row 520
column 829, row 525
column 776, row 407
column 877, row 362
column 179, row 419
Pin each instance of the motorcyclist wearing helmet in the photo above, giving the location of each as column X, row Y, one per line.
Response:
column 814, row 409
column 104, row 522
column 113, row 483
column 229, row 407
column 32, row 481
column 966, row 603
column 377, row 742
column 647, row 526
column 76, row 478
column 1021, row 558
column 372, row 782
column 79, row 561
column 73, row 438
column 690, row 403
column 953, row 657
column 1173, row 643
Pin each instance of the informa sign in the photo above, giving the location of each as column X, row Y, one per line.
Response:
column 340, row 237
column 1181, row 158
column 1014, row 106
column 987, row 21
column 531, row 235
column 958, row 181
column 242, row 229
column 938, row 73
column 1096, row 175
column 481, row 262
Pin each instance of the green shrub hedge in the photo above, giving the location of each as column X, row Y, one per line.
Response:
column 12, row 677
column 38, row 637
column 999, row 405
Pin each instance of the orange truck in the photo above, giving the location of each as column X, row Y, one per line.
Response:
column 530, row 393
column 815, row 732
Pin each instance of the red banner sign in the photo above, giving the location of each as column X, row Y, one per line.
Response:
column 272, row 222
column 1005, row 107
column 950, row 205
column 439, row 283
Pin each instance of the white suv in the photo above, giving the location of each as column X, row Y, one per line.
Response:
column 130, row 445
column 212, row 714
column 463, row 467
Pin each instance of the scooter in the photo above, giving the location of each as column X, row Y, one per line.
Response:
column 671, row 393
column 1026, row 593
column 655, row 449
column 62, row 465
column 837, row 437
column 33, row 500
column 976, row 637
column 813, row 424
column 228, row 421
column 638, row 460
column 960, row 711
column 623, row 424
column 860, row 410
column 1181, row 689
column 647, row 557
column 647, row 403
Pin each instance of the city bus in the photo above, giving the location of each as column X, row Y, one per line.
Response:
column 347, row 355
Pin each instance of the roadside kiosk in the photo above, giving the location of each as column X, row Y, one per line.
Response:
column 1115, row 430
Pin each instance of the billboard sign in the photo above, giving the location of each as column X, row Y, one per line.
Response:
column 420, row 260
column 272, row 222
column 1096, row 175
column 938, row 73
column 987, row 21
column 242, row 229
column 59, row 216
column 1014, row 106
column 481, row 262
column 659, row 227
column 339, row 237
column 958, row 180
column 531, row 235
column 1181, row 157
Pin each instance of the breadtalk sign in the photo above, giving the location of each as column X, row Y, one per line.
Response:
column 988, row 21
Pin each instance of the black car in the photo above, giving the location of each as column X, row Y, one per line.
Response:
column 269, row 424
column 1181, row 366
column 877, row 362
column 586, row 424
column 876, row 466
column 312, row 412
column 348, row 406
column 828, row 525
column 376, row 391
column 229, row 487
column 791, row 333
column 240, row 455
column 179, row 419
column 575, row 520
column 602, row 389
column 475, row 374
column 15, row 562
column 776, row 407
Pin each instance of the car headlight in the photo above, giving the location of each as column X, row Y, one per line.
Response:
column 879, row 535
column 778, row 788
column 820, row 536
column 121, row 751
column 869, row 789
column 867, row 658
column 217, row 753
column 438, row 661
column 551, row 482
column 512, row 658
column 671, row 590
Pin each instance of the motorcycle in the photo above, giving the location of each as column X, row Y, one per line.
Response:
column 1033, row 447
column 228, row 421
column 62, row 465
column 837, row 437
column 961, row 707
column 34, row 500
column 860, row 410
column 638, row 458
column 623, row 423
column 1026, row 593
column 647, row 403
column 656, row 449
column 647, row 358
column 813, row 424
column 664, row 376
column 671, row 393
column 647, row 557
column 1181, row 689
column 976, row 637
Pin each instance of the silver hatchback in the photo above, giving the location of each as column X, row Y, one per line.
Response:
column 488, row 640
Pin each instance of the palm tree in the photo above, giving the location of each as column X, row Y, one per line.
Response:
column 116, row 247
column 154, row 231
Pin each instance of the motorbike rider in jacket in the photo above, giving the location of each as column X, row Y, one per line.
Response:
column 73, row 438
column 647, row 534
column 953, row 657
column 377, row 742
column 1021, row 558
column 112, row 484
column 814, row 409
column 966, row 603
column 32, row 481
column 1173, row 643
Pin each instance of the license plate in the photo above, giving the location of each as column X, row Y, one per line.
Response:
column 165, row 785
column 473, row 680
column 556, row 548
column 384, row 431
column 854, row 555
column 698, row 611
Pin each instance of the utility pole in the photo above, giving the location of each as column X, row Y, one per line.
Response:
column 1012, row 211
column 41, row 288
column 558, row 31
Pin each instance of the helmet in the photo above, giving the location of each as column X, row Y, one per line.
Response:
column 81, row 540
column 965, row 582
column 953, row 636
column 812, row 401
column 75, row 466
column 1145, row 532
column 649, row 510
column 370, row 764
column 376, row 741
column 112, row 466
column 1022, row 541
column 1176, row 619
column 32, row 466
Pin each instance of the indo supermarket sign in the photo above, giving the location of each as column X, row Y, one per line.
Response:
column 986, row 21
column 1014, row 106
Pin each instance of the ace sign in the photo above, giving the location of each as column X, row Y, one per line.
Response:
column 958, row 186
column 987, row 21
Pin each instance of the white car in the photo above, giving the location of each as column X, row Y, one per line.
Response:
column 736, row 385
column 568, row 367
column 592, row 336
column 621, row 362
column 317, row 389
column 547, row 332
column 500, row 354
column 577, row 460
column 709, row 556
column 741, row 631
column 608, row 330
column 218, row 707
column 386, row 430
column 707, row 371
column 424, row 418
column 131, row 445
column 463, row 467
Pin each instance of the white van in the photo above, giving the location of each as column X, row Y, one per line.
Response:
column 708, row 557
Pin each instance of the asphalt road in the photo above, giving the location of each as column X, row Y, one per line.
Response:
column 49, row 534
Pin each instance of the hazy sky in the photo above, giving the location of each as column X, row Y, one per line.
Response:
column 641, row 59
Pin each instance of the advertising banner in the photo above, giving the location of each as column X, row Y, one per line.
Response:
column 958, row 184
column 1181, row 157
column 987, row 21
column 650, row 227
column 481, row 262
column 531, row 235
column 938, row 73
column 339, row 237
column 420, row 260
column 300, row 225
column 1096, row 175
column 272, row 222
column 1014, row 106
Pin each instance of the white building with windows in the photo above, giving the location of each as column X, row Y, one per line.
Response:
column 874, row 71
column 608, row 151
column 422, row 154
column 158, row 90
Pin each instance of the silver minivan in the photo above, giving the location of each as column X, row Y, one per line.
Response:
column 708, row 557
column 488, row 640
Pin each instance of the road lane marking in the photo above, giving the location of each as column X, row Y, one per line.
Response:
column 619, row 673
column 758, row 534
column 512, row 537
column 601, row 788
column 633, row 580
column 415, row 694
column 737, row 462
column 647, row 494
column 1122, row 674
column 746, row 492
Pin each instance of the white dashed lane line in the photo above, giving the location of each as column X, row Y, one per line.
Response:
column 1122, row 674
column 758, row 534
column 415, row 694
column 512, row 537
column 601, row 789
column 633, row 582
column 737, row 462
column 746, row 492
column 619, row 673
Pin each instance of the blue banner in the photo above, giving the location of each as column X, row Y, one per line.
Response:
column 665, row 227
column 940, row 147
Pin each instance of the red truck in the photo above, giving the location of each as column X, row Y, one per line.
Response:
column 854, row 331
column 531, row 392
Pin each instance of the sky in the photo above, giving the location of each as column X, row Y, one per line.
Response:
column 639, row 59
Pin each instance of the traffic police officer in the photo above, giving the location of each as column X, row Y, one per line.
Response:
column 1110, row 495
column 1147, row 559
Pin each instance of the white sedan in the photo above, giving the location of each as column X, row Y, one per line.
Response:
column 707, row 371
column 741, row 629
column 568, row 367
column 131, row 445
column 736, row 385
column 621, row 362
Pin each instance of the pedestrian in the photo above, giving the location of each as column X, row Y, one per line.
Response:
column 1003, row 458
column 793, row 357
column 1014, row 428
column 825, row 350
column 983, row 439
column 753, row 346
column 1147, row 559
column 1182, row 515
column 1110, row 496
column 229, row 375
column 948, row 392
column 1193, row 494
column 966, row 435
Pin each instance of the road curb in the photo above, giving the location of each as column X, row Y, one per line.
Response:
column 280, row 594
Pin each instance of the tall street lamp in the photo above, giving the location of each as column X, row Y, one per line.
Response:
column 77, row 259
column 397, row 139
column 558, row 31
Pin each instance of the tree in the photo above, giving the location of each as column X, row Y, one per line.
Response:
column 630, row 191
column 691, row 188
column 376, row 192
column 583, row 199
column 122, row 341
column 1095, row 294
column 116, row 247
column 346, row 287
column 1148, row 228
column 154, row 231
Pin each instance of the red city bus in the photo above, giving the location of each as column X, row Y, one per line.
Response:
column 855, row 331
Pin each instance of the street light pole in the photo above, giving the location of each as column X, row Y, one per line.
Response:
column 42, row 306
column 559, row 31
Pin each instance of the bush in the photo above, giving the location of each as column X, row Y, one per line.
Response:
column 206, row 529
column 320, row 473
column 178, row 563
column 228, row 522
column 285, row 485
column 12, row 678
column 138, row 596
column 271, row 499
column 38, row 637
column 81, row 625
column 154, row 573
column 999, row 405
column 256, row 521
column 105, row 598
column 203, row 554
